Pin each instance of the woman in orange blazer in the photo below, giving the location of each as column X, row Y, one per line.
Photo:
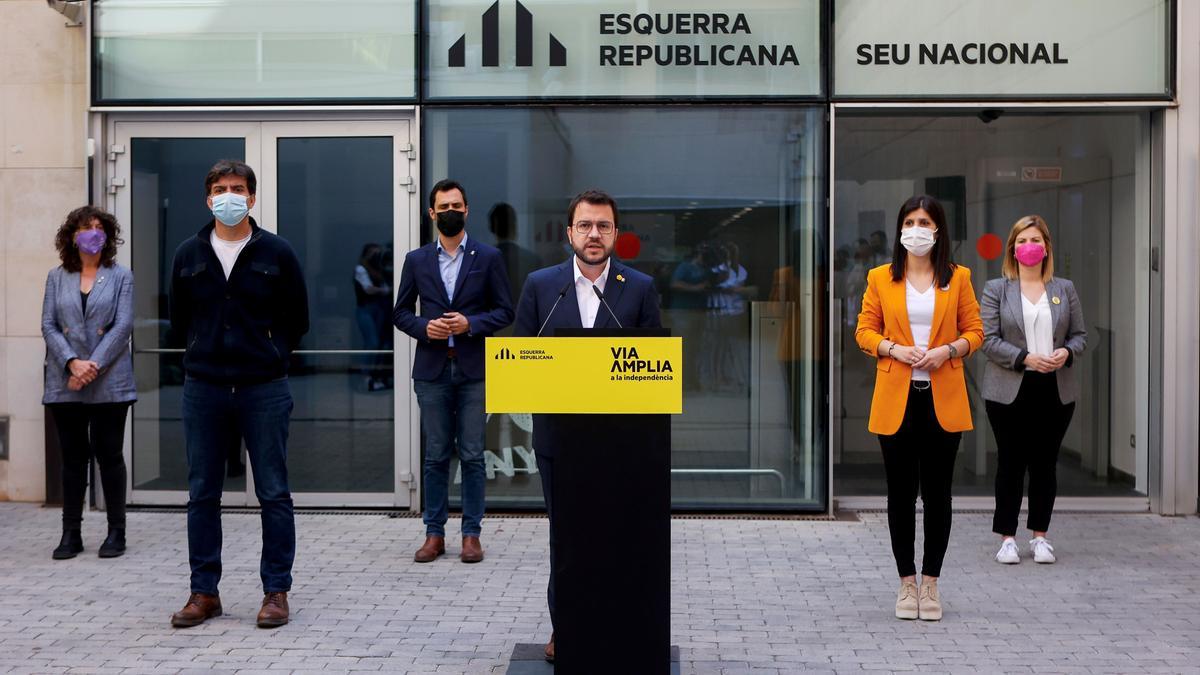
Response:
column 919, row 321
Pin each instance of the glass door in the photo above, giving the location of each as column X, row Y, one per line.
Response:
column 336, row 190
column 156, row 189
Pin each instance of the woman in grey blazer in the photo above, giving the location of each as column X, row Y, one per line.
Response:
column 87, row 318
column 1033, row 332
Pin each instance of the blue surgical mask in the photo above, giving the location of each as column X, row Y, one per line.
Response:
column 229, row 208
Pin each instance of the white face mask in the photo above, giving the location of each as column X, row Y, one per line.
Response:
column 918, row 240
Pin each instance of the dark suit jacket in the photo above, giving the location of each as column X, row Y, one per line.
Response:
column 630, row 293
column 480, row 294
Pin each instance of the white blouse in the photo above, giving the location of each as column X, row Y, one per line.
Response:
column 920, row 319
column 1039, row 325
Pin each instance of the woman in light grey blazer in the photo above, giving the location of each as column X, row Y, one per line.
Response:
column 1033, row 332
column 87, row 318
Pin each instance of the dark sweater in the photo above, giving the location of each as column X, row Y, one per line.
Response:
column 241, row 330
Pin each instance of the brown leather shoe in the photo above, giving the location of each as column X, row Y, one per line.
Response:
column 431, row 549
column 274, row 612
column 550, row 649
column 200, row 607
column 472, row 550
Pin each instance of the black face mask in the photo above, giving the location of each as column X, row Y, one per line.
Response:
column 450, row 223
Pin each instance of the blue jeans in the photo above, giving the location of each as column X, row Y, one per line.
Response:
column 452, row 409
column 214, row 417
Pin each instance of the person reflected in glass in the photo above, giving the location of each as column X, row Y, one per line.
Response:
column 373, row 305
column 87, row 320
column 727, row 309
column 690, row 285
column 919, row 320
column 239, row 307
column 462, row 286
column 880, row 254
column 518, row 260
column 856, row 279
column 1033, row 332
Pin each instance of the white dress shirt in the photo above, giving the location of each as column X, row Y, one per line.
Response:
column 589, row 304
column 448, row 265
column 920, row 320
column 1039, row 325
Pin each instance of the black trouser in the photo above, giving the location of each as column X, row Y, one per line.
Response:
column 87, row 430
column 920, row 454
column 545, row 465
column 1029, row 432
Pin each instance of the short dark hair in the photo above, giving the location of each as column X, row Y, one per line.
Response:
column 502, row 220
column 64, row 241
column 230, row 167
column 943, row 267
column 595, row 197
column 446, row 185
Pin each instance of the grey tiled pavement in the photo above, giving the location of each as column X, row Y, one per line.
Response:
column 749, row 596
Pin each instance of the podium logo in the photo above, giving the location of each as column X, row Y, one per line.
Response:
column 627, row 360
column 491, row 41
column 505, row 354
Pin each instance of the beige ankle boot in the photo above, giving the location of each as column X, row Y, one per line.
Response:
column 906, row 600
column 929, row 601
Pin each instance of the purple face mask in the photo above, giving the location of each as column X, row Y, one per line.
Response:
column 91, row 242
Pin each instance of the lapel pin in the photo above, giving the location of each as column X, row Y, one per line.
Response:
column 1055, row 300
column 472, row 252
column 620, row 278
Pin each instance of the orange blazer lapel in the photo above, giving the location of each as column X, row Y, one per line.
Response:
column 898, row 295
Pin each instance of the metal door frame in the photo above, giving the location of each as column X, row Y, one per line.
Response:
column 114, row 131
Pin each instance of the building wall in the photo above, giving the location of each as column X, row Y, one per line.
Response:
column 43, row 105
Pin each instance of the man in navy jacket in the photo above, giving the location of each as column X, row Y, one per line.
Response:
column 239, row 305
column 563, row 296
column 463, row 289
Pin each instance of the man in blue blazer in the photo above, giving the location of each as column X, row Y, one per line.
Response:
column 564, row 296
column 463, row 289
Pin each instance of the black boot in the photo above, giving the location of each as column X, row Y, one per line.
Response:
column 114, row 545
column 70, row 546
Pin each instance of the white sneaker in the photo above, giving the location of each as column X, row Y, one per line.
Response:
column 1008, row 554
column 1043, row 552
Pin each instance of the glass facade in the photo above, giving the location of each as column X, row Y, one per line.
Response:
column 224, row 50
column 756, row 192
column 736, row 247
column 1088, row 176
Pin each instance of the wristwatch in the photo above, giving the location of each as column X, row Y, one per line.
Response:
column 953, row 351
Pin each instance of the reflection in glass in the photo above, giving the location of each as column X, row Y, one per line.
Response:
column 335, row 205
column 167, row 206
column 722, row 206
column 255, row 49
column 1088, row 176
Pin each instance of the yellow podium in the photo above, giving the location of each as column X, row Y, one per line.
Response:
column 602, row 405
column 580, row 375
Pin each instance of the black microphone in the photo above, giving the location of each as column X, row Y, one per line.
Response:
column 610, row 312
column 561, row 293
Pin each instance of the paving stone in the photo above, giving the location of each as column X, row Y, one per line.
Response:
column 748, row 596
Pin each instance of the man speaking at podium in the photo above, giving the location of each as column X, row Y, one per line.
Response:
column 590, row 290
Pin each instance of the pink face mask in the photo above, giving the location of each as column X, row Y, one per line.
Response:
column 1031, row 254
